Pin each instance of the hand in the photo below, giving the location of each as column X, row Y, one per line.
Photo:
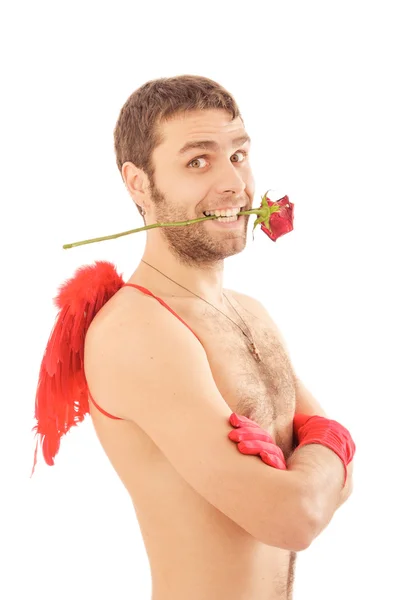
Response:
column 254, row 440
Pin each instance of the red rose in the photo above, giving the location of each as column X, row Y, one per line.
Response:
column 281, row 221
column 275, row 218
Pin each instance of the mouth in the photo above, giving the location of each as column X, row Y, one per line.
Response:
column 226, row 218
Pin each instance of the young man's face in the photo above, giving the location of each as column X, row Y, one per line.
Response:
column 187, row 183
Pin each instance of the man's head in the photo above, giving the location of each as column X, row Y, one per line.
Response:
column 157, row 121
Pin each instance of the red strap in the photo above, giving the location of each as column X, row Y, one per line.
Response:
column 102, row 409
column 161, row 301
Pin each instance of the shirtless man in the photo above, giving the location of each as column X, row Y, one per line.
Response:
column 216, row 524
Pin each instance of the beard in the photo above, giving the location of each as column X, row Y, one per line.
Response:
column 194, row 245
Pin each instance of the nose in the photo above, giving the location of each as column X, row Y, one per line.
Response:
column 230, row 179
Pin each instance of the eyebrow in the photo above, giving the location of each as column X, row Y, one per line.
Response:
column 211, row 145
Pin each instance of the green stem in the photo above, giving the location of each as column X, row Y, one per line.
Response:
column 254, row 211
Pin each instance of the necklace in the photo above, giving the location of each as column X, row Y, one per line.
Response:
column 253, row 347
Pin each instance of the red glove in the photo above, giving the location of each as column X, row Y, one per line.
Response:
column 320, row 430
column 253, row 439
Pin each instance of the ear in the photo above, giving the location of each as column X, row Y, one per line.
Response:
column 136, row 182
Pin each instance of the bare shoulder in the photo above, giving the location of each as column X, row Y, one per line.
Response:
column 133, row 335
column 251, row 304
column 132, row 317
column 258, row 309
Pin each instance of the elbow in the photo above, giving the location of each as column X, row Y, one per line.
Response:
column 294, row 534
column 310, row 525
column 309, row 532
column 297, row 522
column 298, row 538
column 318, row 513
column 297, row 529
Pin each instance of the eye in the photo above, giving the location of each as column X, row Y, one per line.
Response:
column 195, row 160
column 241, row 152
column 244, row 152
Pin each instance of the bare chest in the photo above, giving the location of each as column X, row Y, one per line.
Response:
column 260, row 390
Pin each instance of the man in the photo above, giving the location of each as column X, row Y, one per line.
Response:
column 165, row 371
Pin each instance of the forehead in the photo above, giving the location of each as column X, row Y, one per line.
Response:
column 198, row 125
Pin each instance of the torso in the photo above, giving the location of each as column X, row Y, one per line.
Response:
column 194, row 550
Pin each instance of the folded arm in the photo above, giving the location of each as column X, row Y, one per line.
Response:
column 153, row 371
column 305, row 404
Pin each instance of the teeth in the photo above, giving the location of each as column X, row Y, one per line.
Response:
column 227, row 219
column 230, row 212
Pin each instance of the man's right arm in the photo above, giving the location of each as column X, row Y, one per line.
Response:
column 149, row 368
column 323, row 473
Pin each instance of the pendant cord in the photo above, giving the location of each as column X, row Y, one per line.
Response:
column 249, row 337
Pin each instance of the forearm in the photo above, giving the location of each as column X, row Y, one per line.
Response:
column 307, row 404
column 322, row 473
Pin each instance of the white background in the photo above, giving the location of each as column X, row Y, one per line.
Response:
column 316, row 83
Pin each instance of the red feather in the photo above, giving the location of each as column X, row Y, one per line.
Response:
column 62, row 393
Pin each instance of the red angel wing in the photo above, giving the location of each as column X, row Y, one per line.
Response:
column 62, row 393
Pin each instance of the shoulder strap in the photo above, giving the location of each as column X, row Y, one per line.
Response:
column 161, row 301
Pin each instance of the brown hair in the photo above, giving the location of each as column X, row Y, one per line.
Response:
column 137, row 131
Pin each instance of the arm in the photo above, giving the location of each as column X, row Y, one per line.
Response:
column 153, row 371
column 307, row 404
column 323, row 472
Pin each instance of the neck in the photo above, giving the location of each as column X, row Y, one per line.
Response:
column 204, row 280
